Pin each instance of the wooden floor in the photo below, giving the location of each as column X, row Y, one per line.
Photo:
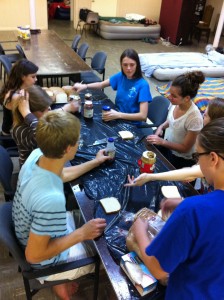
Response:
column 11, row 285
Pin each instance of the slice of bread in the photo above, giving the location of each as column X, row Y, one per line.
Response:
column 110, row 205
column 126, row 135
column 170, row 191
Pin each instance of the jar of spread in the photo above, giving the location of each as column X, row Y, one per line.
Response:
column 88, row 96
column 147, row 162
column 105, row 109
column 88, row 109
column 78, row 99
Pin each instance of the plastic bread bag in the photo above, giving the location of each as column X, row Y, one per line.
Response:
column 155, row 224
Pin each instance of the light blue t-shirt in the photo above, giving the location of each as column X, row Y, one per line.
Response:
column 130, row 92
column 39, row 205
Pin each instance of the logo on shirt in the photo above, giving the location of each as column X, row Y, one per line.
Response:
column 132, row 92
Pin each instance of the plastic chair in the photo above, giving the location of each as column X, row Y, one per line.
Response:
column 82, row 50
column 12, row 57
column 98, row 62
column 75, row 42
column 92, row 20
column 30, row 275
column 20, row 50
column 7, row 65
column 203, row 26
column 157, row 114
column 6, row 177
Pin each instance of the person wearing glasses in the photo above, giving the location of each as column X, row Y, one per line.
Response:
column 189, row 248
column 183, row 123
column 214, row 110
column 133, row 92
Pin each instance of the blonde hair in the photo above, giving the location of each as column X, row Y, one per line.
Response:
column 39, row 100
column 56, row 130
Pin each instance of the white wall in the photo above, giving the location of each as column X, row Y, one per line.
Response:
column 105, row 8
column 14, row 13
column 217, row 9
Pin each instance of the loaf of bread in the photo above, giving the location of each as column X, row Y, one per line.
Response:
column 155, row 223
column 51, row 94
column 68, row 89
column 110, row 205
column 61, row 98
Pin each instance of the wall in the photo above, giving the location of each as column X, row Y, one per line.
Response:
column 14, row 13
column 148, row 8
column 108, row 10
column 217, row 9
column 119, row 8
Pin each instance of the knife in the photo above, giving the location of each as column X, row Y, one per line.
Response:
column 101, row 142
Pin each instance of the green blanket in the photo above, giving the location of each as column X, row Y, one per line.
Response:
column 114, row 19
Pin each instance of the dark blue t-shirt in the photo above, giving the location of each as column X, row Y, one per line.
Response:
column 190, row 248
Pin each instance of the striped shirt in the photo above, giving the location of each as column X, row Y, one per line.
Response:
column 39, row 205
column 25, row 137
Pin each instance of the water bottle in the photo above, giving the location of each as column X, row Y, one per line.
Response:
column 110, row 149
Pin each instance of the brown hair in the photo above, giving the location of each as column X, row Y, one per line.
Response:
column 132, row 54
column 189, row 83
column 21, row 68
column 39, row 100
column 211, row 137
column 56, row 130
column 216, row 108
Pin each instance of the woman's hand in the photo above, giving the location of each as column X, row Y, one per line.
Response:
column 111, row 115
column 155, row 140
column 139, row 181
column 78, row 87
column 71, row 107
column 24, row 106
column 168, row 205
column 139, row 227
column 159, row 131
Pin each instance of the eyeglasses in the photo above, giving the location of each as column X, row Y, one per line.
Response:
column 196, row 155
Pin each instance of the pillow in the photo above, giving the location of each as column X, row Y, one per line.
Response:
column 135, row 17
column 216, row 57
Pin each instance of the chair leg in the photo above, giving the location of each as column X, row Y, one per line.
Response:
column 208, row 35
column 96, row 278
column 27, row 289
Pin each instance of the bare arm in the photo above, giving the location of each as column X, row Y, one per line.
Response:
column 40, row 248
column 140, row 116
column 78, row 87
column 161, row 128
column 185, row 146
column 71, row 173
column 184, row 174
column 142, row 239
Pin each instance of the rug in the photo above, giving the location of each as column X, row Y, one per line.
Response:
column 209, row 89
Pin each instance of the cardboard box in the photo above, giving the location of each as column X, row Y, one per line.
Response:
column 138, row 273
